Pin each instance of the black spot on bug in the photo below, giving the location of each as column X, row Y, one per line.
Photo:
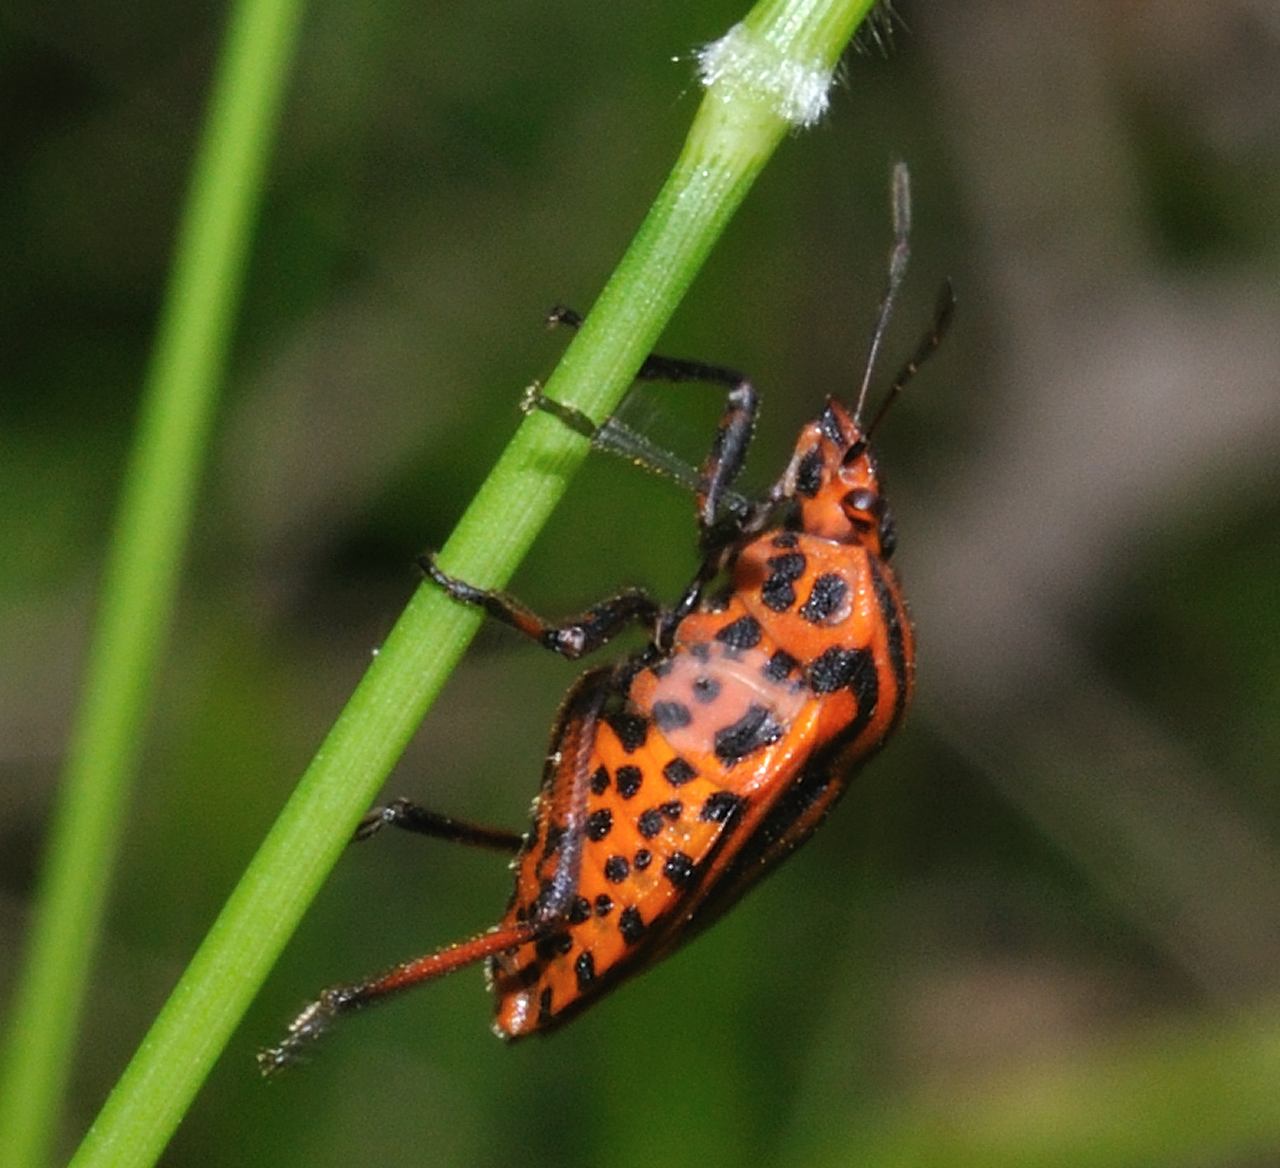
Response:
column 720, row 806
column 628, row 779
column 544, row 1005
column 830, row 426
column 679, row 771
column 700, row 651
column 553, row 945
column 864, row 683
column 662, row 668
column 778, row 595
column 830, row 591
column 778, row 590
column 755, row 729
column 834, row 669
column 809, row 472
column 744, row 633
column 642, row 859
column 705, row 690
column 599, row 823
column 600, row 781
column 631, row 924
column 888, row 534
column 650, row 823
column 616, row 869
column 584, row 969
column 678, row 869
column 604, row 904
column 671, row 715
column 528, row 974
column 579, row 911
column 555, row 833
column 779, row 666
column 897, row 643
column 672, row 809
column 786, row 539
column 631, row 729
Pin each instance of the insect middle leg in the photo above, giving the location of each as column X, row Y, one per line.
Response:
column 572, row 638
column 407, row 816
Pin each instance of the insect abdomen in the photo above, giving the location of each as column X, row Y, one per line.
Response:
column 716, row 761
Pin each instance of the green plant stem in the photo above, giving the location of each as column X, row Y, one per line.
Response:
column 142, row 573
column 746, row 112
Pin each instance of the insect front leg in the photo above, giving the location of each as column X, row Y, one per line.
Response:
column 728, row 449
column 572, row 638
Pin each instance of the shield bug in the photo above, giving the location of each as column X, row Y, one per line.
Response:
column 679, row 776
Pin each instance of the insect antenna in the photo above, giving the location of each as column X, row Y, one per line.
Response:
column 928, row 345
column 899, row 254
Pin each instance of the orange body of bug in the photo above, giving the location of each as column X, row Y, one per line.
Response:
column 681, row 775
column 710, row 762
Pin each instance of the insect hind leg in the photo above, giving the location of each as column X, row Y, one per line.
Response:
column 582, row 717
column 318, row 1017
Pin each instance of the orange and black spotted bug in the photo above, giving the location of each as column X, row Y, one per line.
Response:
column 680, row 776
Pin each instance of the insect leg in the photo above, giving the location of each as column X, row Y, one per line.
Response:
column 657, row 367
column 572, row 638
column 316, row 1018
column 614, row 436
column 733, row 435
column 569, row 807
column 411, row 817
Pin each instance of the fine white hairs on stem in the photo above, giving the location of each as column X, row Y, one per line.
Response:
column 744, row 64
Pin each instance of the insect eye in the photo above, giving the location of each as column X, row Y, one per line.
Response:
column 862, row 499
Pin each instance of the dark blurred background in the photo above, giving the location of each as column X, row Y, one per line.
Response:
column 1072, row 841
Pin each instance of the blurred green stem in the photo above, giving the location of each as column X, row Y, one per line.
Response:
column 142, row 571
column 769, row 74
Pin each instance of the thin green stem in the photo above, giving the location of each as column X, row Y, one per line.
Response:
column 142, row 573
column 762, row 80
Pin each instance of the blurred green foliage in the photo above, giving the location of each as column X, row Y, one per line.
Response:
column 443, row 177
